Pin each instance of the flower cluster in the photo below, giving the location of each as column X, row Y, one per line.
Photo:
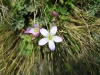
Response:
column 49, row 37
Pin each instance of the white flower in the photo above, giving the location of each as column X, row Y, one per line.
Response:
column 49, row 37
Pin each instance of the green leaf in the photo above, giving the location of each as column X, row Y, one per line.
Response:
column 26, row 46
column 20, row 24
column 26, row 38
column 27, row 51
column 62, row 10
column 29, row 46
column 71, row 5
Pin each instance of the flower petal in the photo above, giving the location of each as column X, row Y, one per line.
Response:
column 44, row 32
column 36, row 34
column 51, row 45
column 31, row 30
column 27, row 31
column 57, row 39
column 53, row 30
column 43, row 41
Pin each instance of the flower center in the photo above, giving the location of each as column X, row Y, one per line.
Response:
column 50, row 37
column 36, row 30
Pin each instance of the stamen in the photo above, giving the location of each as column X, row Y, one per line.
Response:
column 50, row 37
column 36, row 30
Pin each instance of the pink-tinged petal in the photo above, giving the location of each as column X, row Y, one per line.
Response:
column 27, row 31
column 51, row 45
column 43, row 41
column 44, row 32
column 57, row 39
column 53, row 30
column 36, row 34
column 31, row 30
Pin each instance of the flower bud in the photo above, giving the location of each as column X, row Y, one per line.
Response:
column 54, row 13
